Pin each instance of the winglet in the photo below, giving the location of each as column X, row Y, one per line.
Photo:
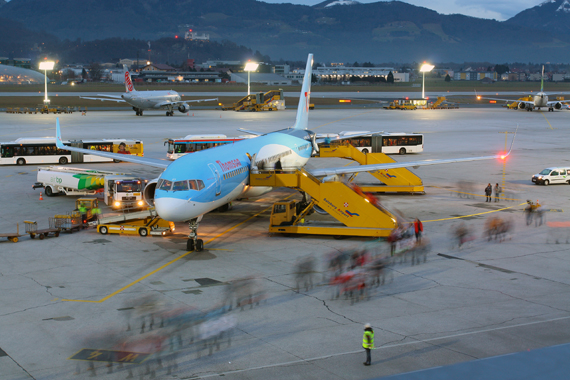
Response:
column 302, row 121
column 512, row 142
column 58, row 141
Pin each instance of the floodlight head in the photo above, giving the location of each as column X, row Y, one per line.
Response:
column 251, row 66
column 47, row 65
column 426, row 67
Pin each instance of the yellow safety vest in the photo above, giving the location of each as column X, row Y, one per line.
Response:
column 368, row 339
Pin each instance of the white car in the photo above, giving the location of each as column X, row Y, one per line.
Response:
column 552, row 175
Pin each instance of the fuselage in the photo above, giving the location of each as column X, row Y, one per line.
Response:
column 202, row 181
column 150, row 99
column 540, row 100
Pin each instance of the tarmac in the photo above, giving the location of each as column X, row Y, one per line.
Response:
column 485, row 300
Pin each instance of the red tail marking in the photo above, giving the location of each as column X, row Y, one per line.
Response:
column 128, row 82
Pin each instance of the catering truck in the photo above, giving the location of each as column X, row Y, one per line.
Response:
column 120, row 190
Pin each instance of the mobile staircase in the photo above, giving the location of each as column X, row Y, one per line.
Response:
column 270, row 101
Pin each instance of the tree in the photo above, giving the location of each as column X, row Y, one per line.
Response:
column 390, row 78
column 95, row 72
column 447, row 78
column 84, row 74
column 501, row 69
column 355, row 64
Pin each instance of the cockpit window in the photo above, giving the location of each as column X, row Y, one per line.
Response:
column 193, row 185
column 165, row 185
column 200, row 184
column 545, row 172
column 180, row 186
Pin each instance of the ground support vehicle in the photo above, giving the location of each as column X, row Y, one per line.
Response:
column 270, row 101
column 400, row 105
column 32, row 229
column 11, row 236
column 355, row 214
column 515, row 104
column 440, row 104
column 119, row 190
column 399, row 180
column 141, row 223
column 68, row 222
column 552, row 176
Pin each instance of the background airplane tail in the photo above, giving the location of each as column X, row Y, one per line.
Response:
column 542, row 80
column 302, row 120
column 128, row 82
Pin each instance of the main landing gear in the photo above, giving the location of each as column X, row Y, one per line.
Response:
column 138, row 111
column 170, row 112
column 193, row 243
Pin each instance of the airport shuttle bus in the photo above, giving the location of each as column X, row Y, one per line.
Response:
column 195, row 143
column 387, row 143
column 43, row 150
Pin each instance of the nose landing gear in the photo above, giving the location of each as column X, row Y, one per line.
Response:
column 193, row 243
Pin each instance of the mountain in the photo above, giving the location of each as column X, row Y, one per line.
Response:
column 552, row 16
column 379, row 32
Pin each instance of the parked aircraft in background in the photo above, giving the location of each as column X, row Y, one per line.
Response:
column 149, row 100
column 198, row 183
column 539, row 100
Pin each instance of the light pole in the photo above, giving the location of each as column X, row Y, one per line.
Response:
column 249, row 67
column 45, row 66
column 426, row 68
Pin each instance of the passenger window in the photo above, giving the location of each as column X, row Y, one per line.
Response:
column 200, row 184
column 554, row 173
column 193, row 185
column 563, row 172
column 165, row 185
column 180, row 186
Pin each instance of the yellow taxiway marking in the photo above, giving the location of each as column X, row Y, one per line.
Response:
column 467, row 216
column 348, row 117
column 542, row 113
column 174, row 260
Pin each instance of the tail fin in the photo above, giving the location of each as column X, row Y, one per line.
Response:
column 302, row 121
column 128, row 82
column 542, row 80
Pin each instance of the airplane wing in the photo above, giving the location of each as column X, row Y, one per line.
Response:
column 507, row 100
column 250, row 132
column 414, row 164
column 115, row 156
column 552, row 102
column 112, row 98
column 179, row 103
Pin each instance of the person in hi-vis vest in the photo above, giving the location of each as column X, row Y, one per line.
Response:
column 368, row 341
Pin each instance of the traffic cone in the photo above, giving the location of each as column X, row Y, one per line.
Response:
column 188, row 114
column 41, row 198
column 220, row 116
column 192, row 113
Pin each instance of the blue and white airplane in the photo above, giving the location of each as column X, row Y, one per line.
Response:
column 198, row 183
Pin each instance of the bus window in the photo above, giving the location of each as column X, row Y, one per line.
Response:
column 178, row 148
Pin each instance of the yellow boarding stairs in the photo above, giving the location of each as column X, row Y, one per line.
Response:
column 357, row 216
column 399, row 180
column 270, row 101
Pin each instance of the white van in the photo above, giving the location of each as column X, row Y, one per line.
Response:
column 552, row 175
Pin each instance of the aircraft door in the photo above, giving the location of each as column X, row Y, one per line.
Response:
column 217, row 177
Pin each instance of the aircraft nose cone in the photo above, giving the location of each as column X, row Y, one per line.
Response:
column 173, row 209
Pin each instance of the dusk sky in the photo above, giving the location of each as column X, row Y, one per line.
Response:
column 493, row 9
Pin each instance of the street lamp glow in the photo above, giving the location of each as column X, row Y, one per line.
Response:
column 426, row 68
column 249, row 67
column 45, row 66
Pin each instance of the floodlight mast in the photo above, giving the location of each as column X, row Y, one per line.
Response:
column 426, row 68
column 45, row 66
column 249, row 67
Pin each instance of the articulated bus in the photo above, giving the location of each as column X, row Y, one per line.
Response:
column 42, row 150
column 194, row 143
column 387, row 143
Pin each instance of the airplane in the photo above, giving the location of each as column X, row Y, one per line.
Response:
column 149, row 100
column 198, row 183
column 539, row 100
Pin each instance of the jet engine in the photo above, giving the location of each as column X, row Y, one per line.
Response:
column 148, row 193
column 184, row 108
column 558, row 106
column 522, row 105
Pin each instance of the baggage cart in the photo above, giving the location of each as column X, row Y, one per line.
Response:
column 68, row 222
column 13, row 237
column 32, row 229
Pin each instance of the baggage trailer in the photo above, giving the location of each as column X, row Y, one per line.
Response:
column 119, row 190
column 141, row 223
column 13, row 237
column 32, row 229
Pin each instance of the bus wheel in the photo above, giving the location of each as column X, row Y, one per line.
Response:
column 63, row 160
column 21, row 161
column 49, row 192
column 143, row 232
column 365, row 151
column 402, row 150
column 103, row 230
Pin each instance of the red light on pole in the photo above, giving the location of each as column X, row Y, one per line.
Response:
column 175, row 36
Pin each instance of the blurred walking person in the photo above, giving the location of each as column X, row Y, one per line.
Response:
column 368, row 342
column 488, row 192
column 498, row 191
column 419, row 229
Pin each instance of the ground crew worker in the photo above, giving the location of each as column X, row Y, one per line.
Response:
column 368, row 342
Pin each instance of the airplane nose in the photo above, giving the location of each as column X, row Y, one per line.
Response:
column 173, row 209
